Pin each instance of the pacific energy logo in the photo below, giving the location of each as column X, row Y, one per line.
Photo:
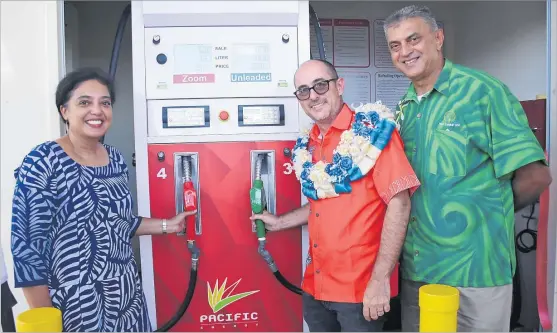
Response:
column 222, row 296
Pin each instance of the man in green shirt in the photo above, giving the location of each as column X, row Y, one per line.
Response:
column 468, row 140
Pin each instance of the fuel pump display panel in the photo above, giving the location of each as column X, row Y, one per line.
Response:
column 260, row 115
column 185, row 116
column 245, row 116
column 203, row 62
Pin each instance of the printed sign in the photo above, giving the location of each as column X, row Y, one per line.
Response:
column 250, row 77
column 220, row 297
column 194, row 78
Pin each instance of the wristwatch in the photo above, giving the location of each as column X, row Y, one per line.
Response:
column 164, row 226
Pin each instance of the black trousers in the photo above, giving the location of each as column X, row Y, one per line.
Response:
column 8, row 302
column 324, row 316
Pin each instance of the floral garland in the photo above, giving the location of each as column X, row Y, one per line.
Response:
column 353, row 158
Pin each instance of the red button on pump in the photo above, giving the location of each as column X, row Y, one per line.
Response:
column 223, row 115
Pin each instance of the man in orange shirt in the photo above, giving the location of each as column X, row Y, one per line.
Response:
column 358, row 182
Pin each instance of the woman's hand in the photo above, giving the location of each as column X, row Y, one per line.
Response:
column 152, row 226
column 178, row 223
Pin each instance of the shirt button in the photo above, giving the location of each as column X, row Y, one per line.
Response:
column 419, row 115
column 413, row 219
column 416, row 253
column 317, row 271
column 316, row 214
column 314, row 245
column 414, row 149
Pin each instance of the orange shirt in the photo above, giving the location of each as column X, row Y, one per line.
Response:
column 345, row 231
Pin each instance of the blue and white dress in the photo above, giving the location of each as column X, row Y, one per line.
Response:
column 72, row 227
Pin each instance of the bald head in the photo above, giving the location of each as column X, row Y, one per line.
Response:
column 316, row 66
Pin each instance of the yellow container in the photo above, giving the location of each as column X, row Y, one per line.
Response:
column 438, row 308
column 39, row 320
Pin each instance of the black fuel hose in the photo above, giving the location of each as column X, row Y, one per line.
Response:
column 271, row 263
column 118, row 41
column 185, row 304
column 521, row 245
column 286, row 283
column 189, row 294
column 318, row 34
column 117, row 44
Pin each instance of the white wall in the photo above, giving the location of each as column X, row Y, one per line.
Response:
column 30, row 71
column 510, row 46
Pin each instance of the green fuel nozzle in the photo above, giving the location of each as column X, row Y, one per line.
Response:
column 258, row 199
column 258, row 205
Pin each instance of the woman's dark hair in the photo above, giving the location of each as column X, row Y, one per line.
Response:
column 73, row 79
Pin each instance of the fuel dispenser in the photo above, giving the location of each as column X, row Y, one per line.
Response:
column 215, row 122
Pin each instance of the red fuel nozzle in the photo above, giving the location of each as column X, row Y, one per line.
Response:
column 190, row 204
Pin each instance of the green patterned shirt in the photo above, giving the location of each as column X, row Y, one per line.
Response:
column 464, row 139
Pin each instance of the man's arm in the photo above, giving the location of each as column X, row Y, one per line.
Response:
column 295, row 218
column 292, row 219
column 392, row 236
column 529, row 182
column 513, row 147
column 395, row 181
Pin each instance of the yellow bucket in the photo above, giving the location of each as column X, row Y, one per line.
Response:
column 39, row 320
column 438, row 308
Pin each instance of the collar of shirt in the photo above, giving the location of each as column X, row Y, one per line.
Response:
column 342, row 122
column 442, row 84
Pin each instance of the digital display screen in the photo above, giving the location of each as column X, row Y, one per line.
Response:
column 261, row 115
column 193, row 58
column 185, row 116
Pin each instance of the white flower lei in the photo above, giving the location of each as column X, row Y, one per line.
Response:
column 353, row 158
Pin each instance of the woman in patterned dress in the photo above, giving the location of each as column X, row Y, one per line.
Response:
column 73, row 223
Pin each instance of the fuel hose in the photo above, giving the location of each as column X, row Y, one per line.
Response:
column 117, row 44
column 318, row 34
column 189, row 294
column 258, row 205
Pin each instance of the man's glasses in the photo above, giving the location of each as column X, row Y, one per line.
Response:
column 320, row 88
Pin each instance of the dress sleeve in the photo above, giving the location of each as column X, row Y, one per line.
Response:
column 32, row 214
column 135, row 220
column 392, row 172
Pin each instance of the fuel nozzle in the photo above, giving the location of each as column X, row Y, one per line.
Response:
column 266, row 255
column 190, row 198
column 194, row 251
column 258, row 199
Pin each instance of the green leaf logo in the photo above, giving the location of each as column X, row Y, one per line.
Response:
column 220, row 297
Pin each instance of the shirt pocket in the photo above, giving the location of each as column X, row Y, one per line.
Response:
column 448, row 153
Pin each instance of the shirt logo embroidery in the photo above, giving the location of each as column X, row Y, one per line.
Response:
column 449, row 120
